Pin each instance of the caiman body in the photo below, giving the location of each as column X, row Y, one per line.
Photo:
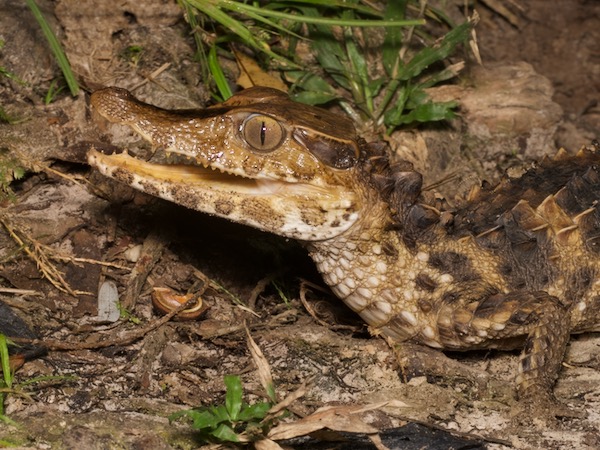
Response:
column 517, row 266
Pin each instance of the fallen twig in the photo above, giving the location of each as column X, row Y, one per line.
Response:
column 105, row 340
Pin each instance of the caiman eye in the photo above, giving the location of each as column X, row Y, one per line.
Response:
column 262, row 133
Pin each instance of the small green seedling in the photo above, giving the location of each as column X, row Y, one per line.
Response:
column 54, row 89
column 281, row 291
column 234, row 421
column 133, row 54
column 128, row 315
column 11, row 76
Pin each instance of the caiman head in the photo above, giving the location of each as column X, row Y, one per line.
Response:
column 258, row 159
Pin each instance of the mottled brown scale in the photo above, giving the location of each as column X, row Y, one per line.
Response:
column 516, row 266
column 426, row 283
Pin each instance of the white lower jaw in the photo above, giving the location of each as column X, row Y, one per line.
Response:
column 294, row 210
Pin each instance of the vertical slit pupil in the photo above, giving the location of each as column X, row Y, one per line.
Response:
column 263, row 132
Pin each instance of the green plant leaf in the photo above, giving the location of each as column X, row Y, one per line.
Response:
column 247, row 9
column 225, row 433
column 313, row 98
column 220, row 412
column 331, row 56
column 53, row 91
column 255, row 411
column 437, row 52
column 215, row 10
column 358, row 75
column 233, row 397
column 416, row 97
column 427, row 112
column 11, row 76
column 8, row 421
column 330, row 53
column 446, row 74
column 204, row 420
column 393, row 114
column 376, row 85
column 316, row 90
column 201, row 419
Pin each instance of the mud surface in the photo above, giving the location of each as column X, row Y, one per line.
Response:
column 117, row 382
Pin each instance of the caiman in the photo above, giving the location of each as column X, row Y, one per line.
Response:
column 516, row 266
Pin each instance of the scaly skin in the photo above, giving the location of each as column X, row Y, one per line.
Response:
column 516, row 267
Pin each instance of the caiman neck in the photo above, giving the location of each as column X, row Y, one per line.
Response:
column 361, row 265
column 393, row 284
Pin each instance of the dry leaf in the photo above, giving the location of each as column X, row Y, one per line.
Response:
column 336, row 418
column 251, row 74
column 300, row 392
column 262, row 365
column 267, row 444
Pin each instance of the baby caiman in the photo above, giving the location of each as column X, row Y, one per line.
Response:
column 516, row 266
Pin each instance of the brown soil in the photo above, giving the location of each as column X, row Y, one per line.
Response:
column 538, row 90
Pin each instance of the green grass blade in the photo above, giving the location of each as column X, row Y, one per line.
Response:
column 47, row 378
column 335, row 5
column 236, row 27
column 243, row 8
column 272, row 24
column 428, row 112
column 392, row 116
column 8, row 421
column 11, row 76
column 56, row 48
column 359, row 76
column 316, row 90
column 5, row 361
column 258, row 411
column 393, row 36
column 192, row 19
column 330, row 53
column 217, row 74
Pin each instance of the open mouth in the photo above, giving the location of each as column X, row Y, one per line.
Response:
column 296, row 210
column 178, row 169
column 204, row 164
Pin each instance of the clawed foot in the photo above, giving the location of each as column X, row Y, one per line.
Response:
column 541, row 409
column 416, row 360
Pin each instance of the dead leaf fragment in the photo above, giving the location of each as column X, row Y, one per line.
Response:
column 337, row 418
column 267, row 444
column 251, row 74
column 262, row 365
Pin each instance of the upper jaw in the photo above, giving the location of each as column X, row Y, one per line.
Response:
column 286, row 191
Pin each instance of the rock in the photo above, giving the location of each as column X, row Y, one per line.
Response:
column 506, row 118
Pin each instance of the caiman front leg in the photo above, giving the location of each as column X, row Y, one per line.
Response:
column 547, row 324
column 451, row 307
column 536, row 321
